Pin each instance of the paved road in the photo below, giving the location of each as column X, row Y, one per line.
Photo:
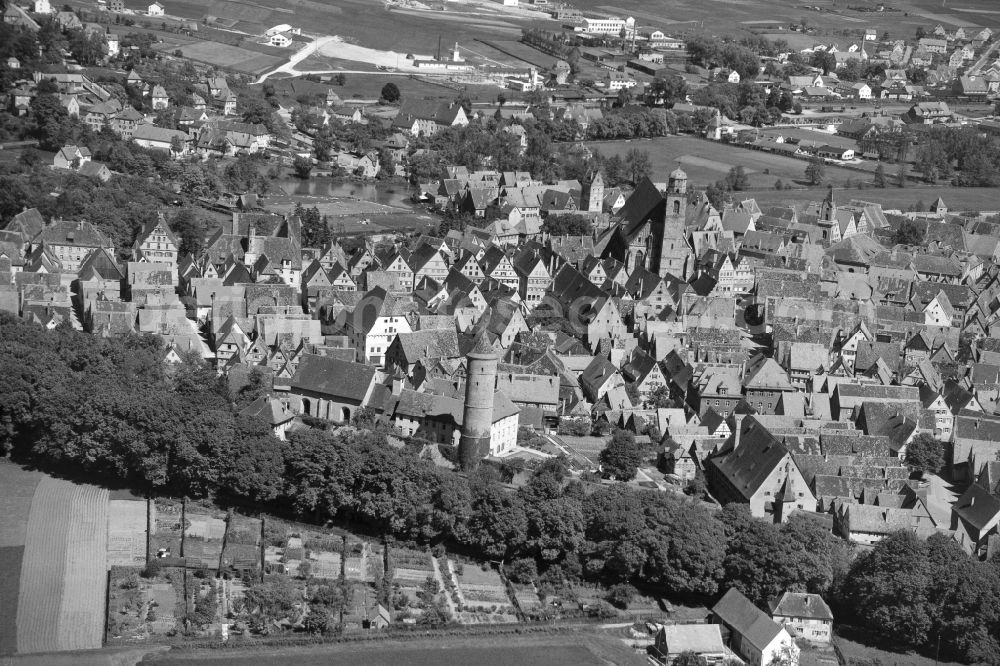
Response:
column 983, row 59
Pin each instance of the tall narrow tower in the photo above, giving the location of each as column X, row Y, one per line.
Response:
column 593, row 192
column 477, row 417
column 675, row 254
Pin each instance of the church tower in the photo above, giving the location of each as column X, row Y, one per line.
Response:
column 593, row 192
column 675, row 254
column 477, row 415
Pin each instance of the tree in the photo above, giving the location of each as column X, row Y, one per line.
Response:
column 666, row 90
column 190, row 228
column 925, row 453
column 523, row 570
column 340, row 80
column 315, row 230
column 737, row 179
column 622, row 456
column 390, row 92
column 715, row 193
column 880, row 180
column 909, row 233
column 303, row 166
column 570, row 224
column 87, row 48
column 621, row 595
column 816, row 171
column 638, row 164
column 53, row 126
column 690, row 658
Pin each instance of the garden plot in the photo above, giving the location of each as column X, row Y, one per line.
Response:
column 411, row 568
column 481, row 589
column 242, row 550
column 362, row 563
column 203, row 536
column 167, row 529
column 126, row 533
column 527, row 598
column 322, row 564
column 140, row 608
column 161, row 599
column 127, row 605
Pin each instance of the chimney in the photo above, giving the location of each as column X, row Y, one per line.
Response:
column 737, row 430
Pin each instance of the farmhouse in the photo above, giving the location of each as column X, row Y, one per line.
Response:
column 161, row 138
column 155, row 9
column 806, row 614
column 427, row 116
column 752, row 634
column 704, row 640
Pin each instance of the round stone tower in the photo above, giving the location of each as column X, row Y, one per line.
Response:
column 477, row 417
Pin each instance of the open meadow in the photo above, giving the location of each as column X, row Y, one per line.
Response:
column 956, row 198
column 707, row 161
column 366, row 22
column 587, row 648
column 825, row 16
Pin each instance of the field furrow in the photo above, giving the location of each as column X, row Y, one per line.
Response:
column 81, row 613
column 42, row 581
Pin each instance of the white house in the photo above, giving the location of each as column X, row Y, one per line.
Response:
column 374, row 324
column 281, row 39
column 160, row 138
column 807, row 615
column 155, row 9
column 43, row 7
column 754, row 636
column 616, row 80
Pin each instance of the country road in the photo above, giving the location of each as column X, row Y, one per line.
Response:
column 299, row 56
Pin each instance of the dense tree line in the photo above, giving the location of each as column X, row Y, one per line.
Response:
column 962, row 155
column 928, row 595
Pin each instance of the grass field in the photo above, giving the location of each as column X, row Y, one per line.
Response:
column 592, row 648
column 706, row 161
column 223, row 55
column 957, row 198
column 855, row 650
column 828, row 17
column 588, row 447
column 366, row 21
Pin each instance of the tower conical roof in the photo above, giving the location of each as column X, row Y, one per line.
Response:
column 482, row 347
